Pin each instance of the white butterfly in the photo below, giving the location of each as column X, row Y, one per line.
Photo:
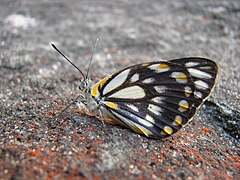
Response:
column 156, row 98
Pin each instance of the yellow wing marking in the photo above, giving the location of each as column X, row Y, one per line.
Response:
column 183, row 105
column 111, row 104
column 177, row 121
column 162, row 66
column 144, row 64
column 168, row 130
column 181, row 76
column 141, row 130
column 94, row 90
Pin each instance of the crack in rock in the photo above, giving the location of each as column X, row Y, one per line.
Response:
column 228, row 118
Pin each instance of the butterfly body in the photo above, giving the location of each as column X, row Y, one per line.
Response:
column 155, row 99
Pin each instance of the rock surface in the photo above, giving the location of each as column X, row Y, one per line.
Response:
column 36, row 83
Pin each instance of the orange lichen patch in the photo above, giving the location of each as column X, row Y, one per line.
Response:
column 237, row 164
column 53, row 99
column 51, row 175
column 154, row 158
column 32, row 125
column 51, row 131
column 189, row 152
column 228, row 158
column 99, row 141
column 50, row 112
column 235, row 157
column 90, row 129
column 34, row 152
column 205, row 130
column 168, row 168
column 95, row 177
column 56, row 106
column 44, row 158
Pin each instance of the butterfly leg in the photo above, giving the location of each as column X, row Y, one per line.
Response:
column 101, row 117
column 72, row 102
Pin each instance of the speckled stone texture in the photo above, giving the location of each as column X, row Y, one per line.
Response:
column 36, row 142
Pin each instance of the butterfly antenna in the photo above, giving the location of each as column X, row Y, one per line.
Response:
column 68, row 60
column 94, row 49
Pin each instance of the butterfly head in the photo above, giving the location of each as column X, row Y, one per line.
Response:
column 87, row 103
column 84, row 85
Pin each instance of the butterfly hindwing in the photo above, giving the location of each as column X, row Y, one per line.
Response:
column 155, row 98
column 158, row 98
column 204, row 74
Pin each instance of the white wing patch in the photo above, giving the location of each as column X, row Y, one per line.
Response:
column 158, row 99
column 198, row 94
column 154, row 109
column 199, row 74
column 149, row 80
column 177, row 121
column 160, row 89
column 188, row 91
column 183, row 105
column 132, row 92
column 191, row 64
column 134, row 108
column 180, row 77
column 116, row 81
column 201, row 85
column 159, row 68
column 150, row 119
column 145, row 123
column 134, row 126
column 134, row 78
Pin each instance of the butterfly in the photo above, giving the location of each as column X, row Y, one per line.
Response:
column 155, row 99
